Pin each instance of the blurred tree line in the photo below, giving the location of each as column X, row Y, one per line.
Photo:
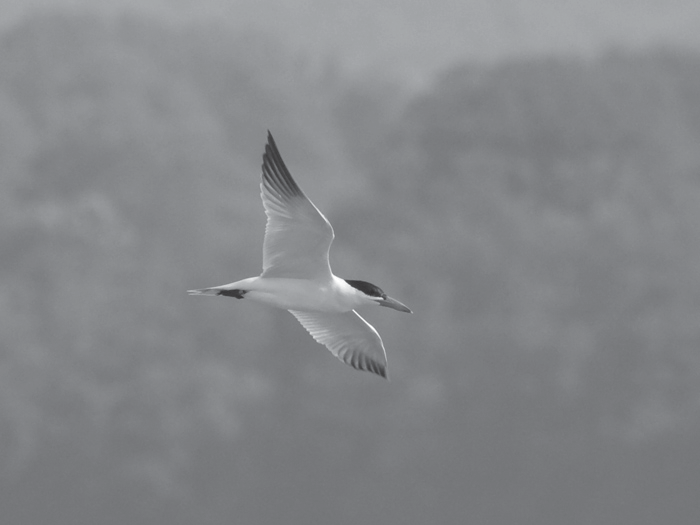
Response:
column 541, row 217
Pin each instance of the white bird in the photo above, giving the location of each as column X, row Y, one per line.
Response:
column 297, row 274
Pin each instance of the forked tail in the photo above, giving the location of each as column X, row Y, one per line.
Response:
column 204, row 291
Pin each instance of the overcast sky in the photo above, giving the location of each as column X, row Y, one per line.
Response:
column 415, row 37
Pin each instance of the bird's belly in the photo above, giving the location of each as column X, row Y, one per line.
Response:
column 299, row 294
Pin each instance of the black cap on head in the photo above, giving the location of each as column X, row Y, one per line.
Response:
column 367, row 288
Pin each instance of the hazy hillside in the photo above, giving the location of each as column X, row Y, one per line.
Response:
column 413, row 40
column 540, row 217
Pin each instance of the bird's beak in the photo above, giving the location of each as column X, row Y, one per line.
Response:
column 393, row 303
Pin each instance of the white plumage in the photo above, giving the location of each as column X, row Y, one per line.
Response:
column 297, row 274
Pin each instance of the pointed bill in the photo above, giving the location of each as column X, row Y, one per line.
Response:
column 396, row 305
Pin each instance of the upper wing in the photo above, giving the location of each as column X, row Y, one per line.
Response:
column 297, row 235
column 349, row 337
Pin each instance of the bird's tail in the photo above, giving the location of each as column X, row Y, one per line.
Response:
column 205, row 291
column 225, row 290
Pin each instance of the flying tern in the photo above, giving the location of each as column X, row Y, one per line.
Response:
column 297, row 274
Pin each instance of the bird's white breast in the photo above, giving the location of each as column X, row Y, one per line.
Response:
column 303, row 294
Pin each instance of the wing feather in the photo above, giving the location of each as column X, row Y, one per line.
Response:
column 297, row 236
column 349, row 337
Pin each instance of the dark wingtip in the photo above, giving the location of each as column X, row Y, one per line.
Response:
column 374, row 367
column 271, row 142
column 364, row 363
column 275, row 172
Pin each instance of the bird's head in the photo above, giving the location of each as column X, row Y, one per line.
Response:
column 377, row 295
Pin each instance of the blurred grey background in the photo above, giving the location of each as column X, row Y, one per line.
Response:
column 524, row 175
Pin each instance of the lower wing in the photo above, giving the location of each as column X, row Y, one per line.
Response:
column 349, row 337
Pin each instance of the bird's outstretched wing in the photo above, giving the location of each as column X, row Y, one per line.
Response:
column 349, row 337
column 297, row 235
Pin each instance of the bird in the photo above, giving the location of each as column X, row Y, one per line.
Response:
column 297, row 274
